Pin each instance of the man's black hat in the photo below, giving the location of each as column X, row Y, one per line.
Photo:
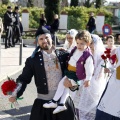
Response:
column 9, row 7
column 17, row 7
column 42, row 30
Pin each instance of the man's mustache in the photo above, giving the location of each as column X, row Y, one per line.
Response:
column 46, row 43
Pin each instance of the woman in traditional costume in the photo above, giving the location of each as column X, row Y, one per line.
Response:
column 109, row 105
column 86, row 99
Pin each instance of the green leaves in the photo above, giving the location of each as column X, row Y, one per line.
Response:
column 52, row 7
column 78, row 16
column 5, row 2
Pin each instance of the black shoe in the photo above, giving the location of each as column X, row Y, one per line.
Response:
column 12, row 46
column 24, row 45
column 7, row 47
column 58, row 43
column 16, row 42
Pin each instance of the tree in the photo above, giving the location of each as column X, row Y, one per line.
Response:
column 64, row 3
column 98, row 3
column 74, row 3
column 88, row 3
column 5, row 2
column 52, row 7
column 30, row 3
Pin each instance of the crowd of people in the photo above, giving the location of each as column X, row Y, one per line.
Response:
column 12, row 27
column 75, row 82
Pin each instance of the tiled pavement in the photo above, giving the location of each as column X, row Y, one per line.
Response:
column 9, row 59
column 9, row 66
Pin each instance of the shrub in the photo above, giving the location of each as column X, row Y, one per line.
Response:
column 52, row 7
column 34, row 16
column 78, row 16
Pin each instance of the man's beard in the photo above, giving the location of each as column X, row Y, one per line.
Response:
column 45, row 47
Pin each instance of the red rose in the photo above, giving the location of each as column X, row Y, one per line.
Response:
column 103, row 57
column 113, row 58
column 108, row 55
column 8, row 86
column 108, row 50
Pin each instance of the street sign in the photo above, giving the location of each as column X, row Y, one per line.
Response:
column 107, row 30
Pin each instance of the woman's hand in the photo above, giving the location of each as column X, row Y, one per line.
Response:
column 106, row 70
column 87, row 83
column 12, row 99
column 67, row 83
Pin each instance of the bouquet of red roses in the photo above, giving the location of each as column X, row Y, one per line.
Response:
column 106, row 56
column 10, row 87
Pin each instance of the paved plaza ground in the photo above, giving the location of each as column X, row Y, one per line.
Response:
column 10, row 67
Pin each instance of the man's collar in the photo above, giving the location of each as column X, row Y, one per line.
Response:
column 48, row 54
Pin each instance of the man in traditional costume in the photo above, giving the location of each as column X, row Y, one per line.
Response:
column 47, row 66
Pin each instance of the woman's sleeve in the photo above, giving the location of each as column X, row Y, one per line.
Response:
column 89, row 68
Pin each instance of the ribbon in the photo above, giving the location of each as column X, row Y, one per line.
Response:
column 16, row 100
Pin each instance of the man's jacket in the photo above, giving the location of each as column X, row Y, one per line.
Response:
column 35, row 67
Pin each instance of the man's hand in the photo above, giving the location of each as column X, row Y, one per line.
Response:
column 67, row 83
column 12, row 99
column 87, row 83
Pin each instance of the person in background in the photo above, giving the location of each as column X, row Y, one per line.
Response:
column 54, row 28
column 118, row 38
column 1, row 27
column 21, row 30
column 18, row 28
column 47, row 65
column 1, row 31
column 9, row 20
column 70, row 42
column 43, row 20
column 110, row 44
column 91, row 25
